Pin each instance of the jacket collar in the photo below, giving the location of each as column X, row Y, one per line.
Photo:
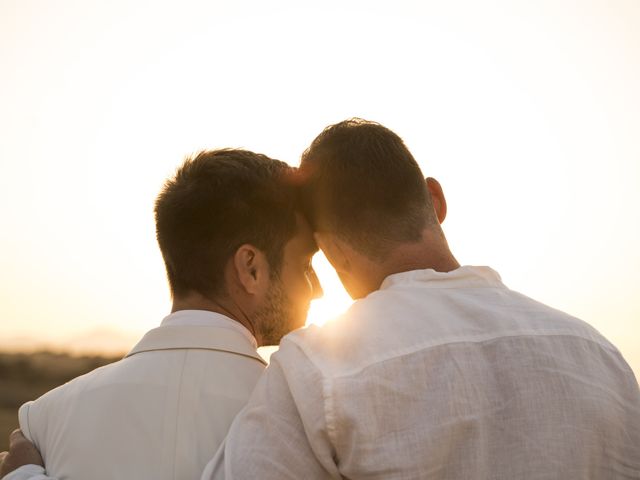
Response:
column 172, row 337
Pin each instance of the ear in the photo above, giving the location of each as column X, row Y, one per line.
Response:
column 334, row 249
column 437, row 198
column 252, row 269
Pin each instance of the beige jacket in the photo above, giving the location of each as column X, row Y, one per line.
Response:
column 159, row 413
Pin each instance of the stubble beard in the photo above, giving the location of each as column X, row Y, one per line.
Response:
column 276, row 317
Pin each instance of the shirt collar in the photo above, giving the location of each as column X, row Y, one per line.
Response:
column 466, row 276
column 198, row 329
column 207, row 318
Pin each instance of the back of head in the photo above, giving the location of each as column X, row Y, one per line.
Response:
column 216, row 202
column 362, row 183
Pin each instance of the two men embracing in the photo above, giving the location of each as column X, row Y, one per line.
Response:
column 437, row 370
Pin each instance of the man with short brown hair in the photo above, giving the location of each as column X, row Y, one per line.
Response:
column 437, row 371
column 238, row 258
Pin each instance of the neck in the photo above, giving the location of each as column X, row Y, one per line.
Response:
column 431, row 252
column 223, row 306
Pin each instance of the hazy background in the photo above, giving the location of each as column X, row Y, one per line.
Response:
column 527, row 112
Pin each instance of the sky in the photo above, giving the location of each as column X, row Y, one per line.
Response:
column 528, row 113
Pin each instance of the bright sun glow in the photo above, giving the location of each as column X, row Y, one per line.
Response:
column 335, row 299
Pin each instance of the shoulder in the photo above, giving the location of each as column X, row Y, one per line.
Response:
column 542, row 318
column 342, row 340
column 36, row 416
column 59, row 396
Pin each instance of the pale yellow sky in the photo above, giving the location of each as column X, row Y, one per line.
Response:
column 527, row 112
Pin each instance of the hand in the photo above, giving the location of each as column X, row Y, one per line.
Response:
column 21, row 452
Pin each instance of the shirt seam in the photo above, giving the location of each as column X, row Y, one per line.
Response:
column 329, row 411
column 175, row 433
column 247, row 355
column 29, row 425
column 28, row 419
column 327, row 398
column 486, row 339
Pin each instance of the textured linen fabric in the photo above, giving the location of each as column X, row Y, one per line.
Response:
column 440, row 376
column 156, row 414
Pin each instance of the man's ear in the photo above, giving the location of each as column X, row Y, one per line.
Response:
column 437, row 198
column 333, row 249
column 252, row 269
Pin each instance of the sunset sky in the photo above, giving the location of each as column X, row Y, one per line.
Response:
column 527, row 112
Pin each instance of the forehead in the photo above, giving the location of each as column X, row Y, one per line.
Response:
column 302, row 242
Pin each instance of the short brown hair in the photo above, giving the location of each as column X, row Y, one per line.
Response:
column 361, row 182
column 217, row 201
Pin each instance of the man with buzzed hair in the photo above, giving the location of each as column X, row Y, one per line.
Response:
column 238, row 259
column 437, row 371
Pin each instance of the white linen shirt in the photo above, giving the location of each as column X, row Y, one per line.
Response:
column 440, row 376
column 159, row 413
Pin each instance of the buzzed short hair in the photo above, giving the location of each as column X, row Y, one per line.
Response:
column 216, row 202
column 362, row 183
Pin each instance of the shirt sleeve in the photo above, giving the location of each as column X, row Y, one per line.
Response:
column 28, row 472
column 23, row 420
column 282, row 433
